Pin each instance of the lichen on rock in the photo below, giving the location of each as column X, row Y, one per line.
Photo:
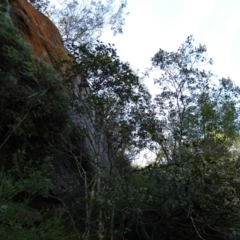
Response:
column 40, row 32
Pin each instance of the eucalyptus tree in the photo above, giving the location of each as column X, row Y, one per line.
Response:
column 196, row 125
column 84, row 21
column 194, row 106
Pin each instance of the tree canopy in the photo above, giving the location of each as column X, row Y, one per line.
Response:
column 189, row 191
column 84, row 22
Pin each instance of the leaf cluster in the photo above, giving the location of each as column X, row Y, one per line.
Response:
column 33, row 114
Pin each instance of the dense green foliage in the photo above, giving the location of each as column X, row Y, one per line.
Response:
column 189, row 191
column 114, row 93
column 33, row 113
column 195, row 168
column 33, row 104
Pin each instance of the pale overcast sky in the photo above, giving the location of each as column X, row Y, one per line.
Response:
column 154, row 24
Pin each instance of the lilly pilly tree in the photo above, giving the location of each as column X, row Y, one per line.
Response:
column 196, row 127
column 109, row 103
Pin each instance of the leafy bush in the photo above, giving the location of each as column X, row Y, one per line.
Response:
column 33, row 116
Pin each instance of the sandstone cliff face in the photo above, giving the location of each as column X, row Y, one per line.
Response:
column 46, row 42
column 47, row 45
column 39, row 32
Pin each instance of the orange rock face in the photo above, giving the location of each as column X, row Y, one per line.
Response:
column 39, row 31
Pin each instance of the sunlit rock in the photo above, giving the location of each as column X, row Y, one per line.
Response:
column 39, row 31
